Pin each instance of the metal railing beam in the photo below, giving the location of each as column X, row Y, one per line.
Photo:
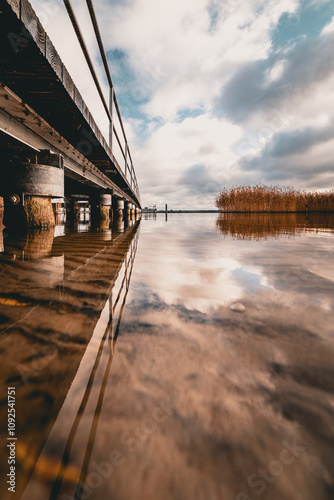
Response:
column 81, row 41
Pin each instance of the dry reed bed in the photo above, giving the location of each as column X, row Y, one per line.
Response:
column 273, row 199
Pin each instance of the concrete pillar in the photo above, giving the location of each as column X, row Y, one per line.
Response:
column 100, row 208
column 106, row 233
column 94, row 201
column 88, row 214
column 131, row 210
column 29, row 187
column 105, row 205
column 56, row 207
column 120, row 209
column 72, row 210
column 57, row 210
column 119, row 226
column 126, row 210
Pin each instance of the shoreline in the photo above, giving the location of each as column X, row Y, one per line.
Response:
column 238, row 212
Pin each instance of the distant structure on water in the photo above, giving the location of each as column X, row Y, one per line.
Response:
column 150, row 210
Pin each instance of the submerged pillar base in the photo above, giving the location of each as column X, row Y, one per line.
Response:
column 105, row 204
column 100, row 208
column 104, row 213
column 119, row 206
column 32, row 180
column 37, row 212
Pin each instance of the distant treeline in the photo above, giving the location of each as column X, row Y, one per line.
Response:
column 273, row 199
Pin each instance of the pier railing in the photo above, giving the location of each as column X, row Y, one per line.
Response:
column 111, row 107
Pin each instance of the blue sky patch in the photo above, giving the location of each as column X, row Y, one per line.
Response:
column 308, row 22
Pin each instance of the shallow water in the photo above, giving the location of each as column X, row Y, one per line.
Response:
column 138, row 377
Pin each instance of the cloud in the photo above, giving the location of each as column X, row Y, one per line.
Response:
column 299, row 141
column 329, row 28
column 302, row 67
column 198, row 180
column 303, row 169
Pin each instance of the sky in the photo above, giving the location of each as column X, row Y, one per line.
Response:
column 213, row 93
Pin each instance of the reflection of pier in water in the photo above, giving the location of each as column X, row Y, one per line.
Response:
column 260, row 226
column 60, row 317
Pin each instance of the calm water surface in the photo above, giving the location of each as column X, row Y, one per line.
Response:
column 183, row 359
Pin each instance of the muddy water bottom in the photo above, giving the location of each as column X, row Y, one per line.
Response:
column 183, row 358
